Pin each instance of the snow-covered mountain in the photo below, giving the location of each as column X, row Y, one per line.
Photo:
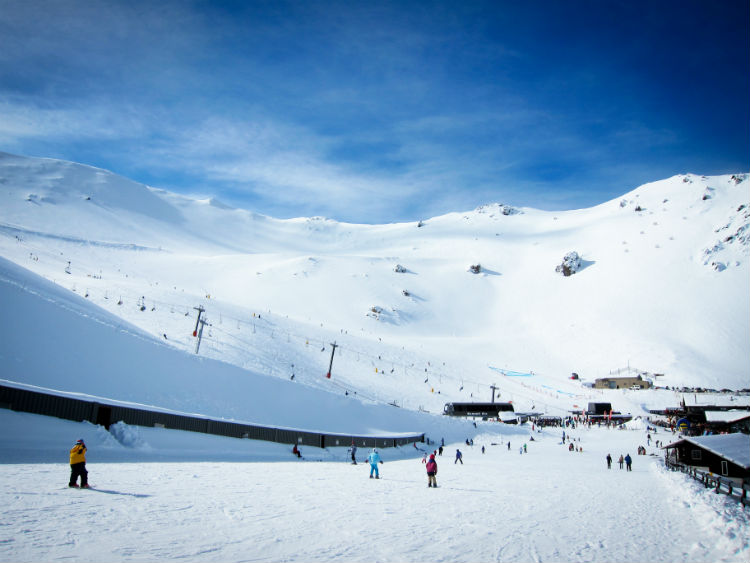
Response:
column 421, row 313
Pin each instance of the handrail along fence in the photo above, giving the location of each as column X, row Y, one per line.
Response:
column 712, row 481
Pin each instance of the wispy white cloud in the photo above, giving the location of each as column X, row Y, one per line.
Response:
column 359, row 112
column 22, row 120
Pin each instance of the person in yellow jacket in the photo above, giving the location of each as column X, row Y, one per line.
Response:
column 78, row 465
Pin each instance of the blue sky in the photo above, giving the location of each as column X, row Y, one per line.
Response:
column 376, row 112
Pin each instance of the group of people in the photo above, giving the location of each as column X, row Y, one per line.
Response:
column 627, row 460
column 78, row 461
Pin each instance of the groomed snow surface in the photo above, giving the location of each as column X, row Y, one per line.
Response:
column 262, row 504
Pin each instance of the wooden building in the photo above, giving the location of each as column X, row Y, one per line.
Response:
column 727, row 455
column 621, row 383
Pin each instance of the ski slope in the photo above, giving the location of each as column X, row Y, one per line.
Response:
column 101, row 279
column 183, row 496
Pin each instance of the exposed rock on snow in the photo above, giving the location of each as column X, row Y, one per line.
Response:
column 494, row 208
column 375, row 312
column 735, row 234
column 570, row 265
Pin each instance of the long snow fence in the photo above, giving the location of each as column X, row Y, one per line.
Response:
column 70, row 408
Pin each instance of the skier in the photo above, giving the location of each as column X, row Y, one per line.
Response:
column 374, row 459
column 431, row 472
column 295, row 451
column 482, row 449
column 629, row 462
column 459, row 457
column 354, row 454
column 78, row 465
column 524, row 448
column 508, row 445
column 620, row 461
column 440, row 450
column 609, row 461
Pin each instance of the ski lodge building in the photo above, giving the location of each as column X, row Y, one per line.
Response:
column 727, row 455
column 621, row 383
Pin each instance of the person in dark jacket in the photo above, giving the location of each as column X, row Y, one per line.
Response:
column 459, row 455
column 628, row 463
column 431, row 471
column 78, row 465
column 609, row 461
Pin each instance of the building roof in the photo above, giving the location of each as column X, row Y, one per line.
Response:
column 732, row 447
column 726, row 416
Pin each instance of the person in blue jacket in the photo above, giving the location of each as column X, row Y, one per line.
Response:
column 374, row 459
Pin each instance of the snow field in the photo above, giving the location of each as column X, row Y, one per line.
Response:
column 546, row 505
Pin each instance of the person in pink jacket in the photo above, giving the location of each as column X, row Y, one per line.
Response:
column 431, row 471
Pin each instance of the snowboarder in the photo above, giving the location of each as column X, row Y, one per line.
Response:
column 459, row 455
column 78, row 465
column 621, row 460
column 431, row 471
column 374, row 459
column 629, row 462
column 609, row 461
column 354, row 454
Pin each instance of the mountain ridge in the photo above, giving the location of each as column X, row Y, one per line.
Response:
column 475, row 288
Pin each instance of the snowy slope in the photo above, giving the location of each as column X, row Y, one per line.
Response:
column 99, row 281
column 663, row 287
